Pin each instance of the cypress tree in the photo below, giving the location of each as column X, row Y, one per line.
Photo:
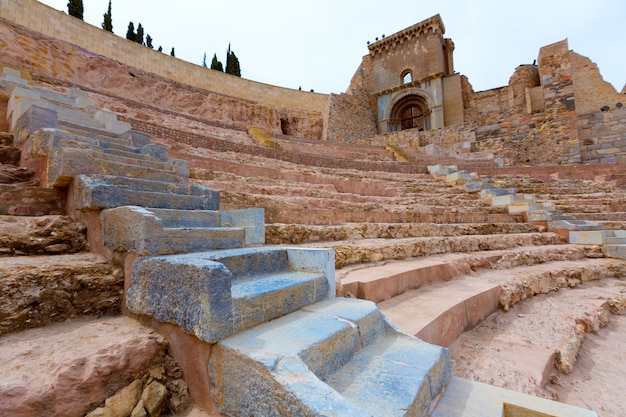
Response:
column 130, row 33
column 149, row 42
column 139, row 37
column 108, row 21
column 172, row 53
column 216, row 65
column 75, row 8
column 232, row 63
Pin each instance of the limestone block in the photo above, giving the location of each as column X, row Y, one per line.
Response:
column 188, row 290
column 123, row 402
column 153, row 398
column 11, row 75
column 34, row 119
column 20, row 101
column 157, row 152
column 475, row 399
column 588, row 237
column 110, row 122
column 340, row 356
column 538, row 215
column 581, row 225
column 160, row 232
column 106, row 191
column 317, row 260
column 615, row 251
column 251, row 220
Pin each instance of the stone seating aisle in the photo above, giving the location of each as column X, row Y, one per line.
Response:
column 579, row 231
column 209, row 292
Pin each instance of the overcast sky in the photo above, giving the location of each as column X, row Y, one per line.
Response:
column 318, row 44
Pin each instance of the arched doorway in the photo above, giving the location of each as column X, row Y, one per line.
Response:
column 410, row 112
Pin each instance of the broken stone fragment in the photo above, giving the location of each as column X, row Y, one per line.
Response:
column 153, row 397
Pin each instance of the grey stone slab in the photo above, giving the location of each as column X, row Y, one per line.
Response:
column 162, row 232
column 251, row 220
column 98, row 192
column 213, row 294
column 617, row 251
column 316, row 361
column 582, row 225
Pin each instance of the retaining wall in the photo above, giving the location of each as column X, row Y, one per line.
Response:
column 54, row 23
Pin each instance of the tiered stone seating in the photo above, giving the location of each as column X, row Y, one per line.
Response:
column 213, row 292
column 308, row 357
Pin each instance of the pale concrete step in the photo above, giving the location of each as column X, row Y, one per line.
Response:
column 150, row 231
column 335, row 358
column 464, row 398
column 440, row 313
column 99, row 192
column 214, row 294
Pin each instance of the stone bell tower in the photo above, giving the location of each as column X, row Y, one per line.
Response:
column 412, row 80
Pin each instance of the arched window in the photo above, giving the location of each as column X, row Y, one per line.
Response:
column 407, row 76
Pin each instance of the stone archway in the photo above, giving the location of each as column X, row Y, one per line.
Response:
column 411, row 111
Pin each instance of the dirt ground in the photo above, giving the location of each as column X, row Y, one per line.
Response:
column 514, row 350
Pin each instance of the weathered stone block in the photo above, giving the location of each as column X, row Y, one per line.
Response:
column 308, row 362
column 161, row 232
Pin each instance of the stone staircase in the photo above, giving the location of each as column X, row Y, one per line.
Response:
column 190, row 264
column 575, row 230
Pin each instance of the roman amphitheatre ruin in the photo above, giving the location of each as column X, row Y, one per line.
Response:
column 182, row 242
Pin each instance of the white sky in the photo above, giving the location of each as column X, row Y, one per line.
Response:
column 318, row 44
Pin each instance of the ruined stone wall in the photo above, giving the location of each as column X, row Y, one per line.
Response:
column 592, row 92
column 56, row 24
column 555, row 70
column 603, row 136
column 351, row 117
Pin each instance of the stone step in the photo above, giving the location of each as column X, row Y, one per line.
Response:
column 41, row 235
column 36, row 291
column 10, row 174
column 128, row 143
column 380, row 283
column 312, row 216
column 150, row 232
column 280, row 233
column 199, row 293
column 465, row 398
column 352, row 252
column 21, row 199
column 441, row 312
column 338, row 357
column 61, row 157
column 66, row 163
column 98, row 192
column 10, row 155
